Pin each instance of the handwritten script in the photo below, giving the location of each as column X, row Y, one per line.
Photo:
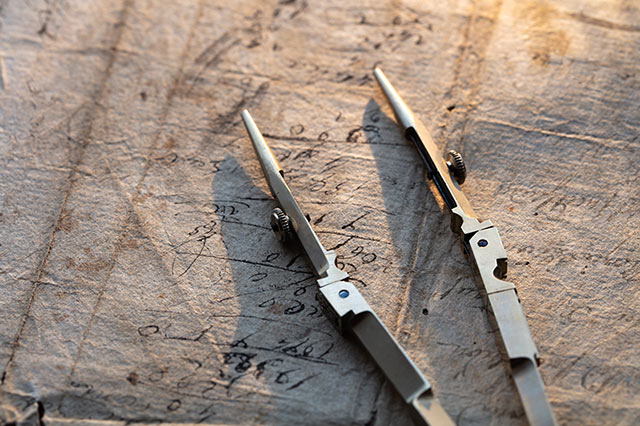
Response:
column 141, row 282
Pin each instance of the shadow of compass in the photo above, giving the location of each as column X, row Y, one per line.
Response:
column 277, row 359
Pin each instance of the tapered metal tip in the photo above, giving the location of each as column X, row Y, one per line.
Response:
column 400, row 109
column 281, row 192
column 246, row 116
column 382, row 80
column 378, row 73
column 256, row 137
column 268, row 161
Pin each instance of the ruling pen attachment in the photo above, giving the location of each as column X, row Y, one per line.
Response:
column 483, row 245
column 341, row 301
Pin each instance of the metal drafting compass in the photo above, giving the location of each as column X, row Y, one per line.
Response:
column 341, row 302
column 483, row 246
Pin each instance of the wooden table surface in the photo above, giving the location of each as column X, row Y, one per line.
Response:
column 139, row 280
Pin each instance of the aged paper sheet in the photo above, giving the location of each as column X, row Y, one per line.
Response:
column 139, row 279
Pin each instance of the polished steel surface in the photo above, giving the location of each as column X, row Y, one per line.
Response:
column 344, row 305
column 274, row 176
column 482, row 243
column 463, row 218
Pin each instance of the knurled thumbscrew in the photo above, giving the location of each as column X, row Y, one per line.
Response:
column 456, row 165
column 281, row 224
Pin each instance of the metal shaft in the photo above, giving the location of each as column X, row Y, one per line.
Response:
column 482, row 243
